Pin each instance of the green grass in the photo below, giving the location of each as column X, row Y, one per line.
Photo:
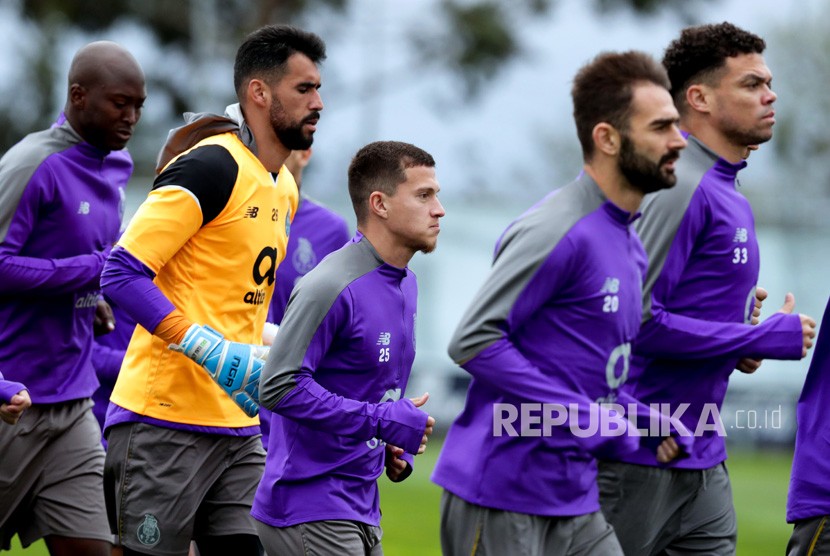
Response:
column 410, row 509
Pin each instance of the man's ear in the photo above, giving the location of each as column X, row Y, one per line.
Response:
column 699, row 98
column 606, row 138
column 377, row 204
column 258, row 93
column 77, row 96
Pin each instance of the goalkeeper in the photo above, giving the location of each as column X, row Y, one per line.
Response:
column 195, row 269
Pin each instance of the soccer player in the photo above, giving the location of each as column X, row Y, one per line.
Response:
column 341, row 362
column 808, row 500
column 183, row 458
column 61, row 198
column 14, row 400
column 700, row 293
column 315, row 232
column 553, row 323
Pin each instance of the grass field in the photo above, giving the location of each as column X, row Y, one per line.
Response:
column 410, row 509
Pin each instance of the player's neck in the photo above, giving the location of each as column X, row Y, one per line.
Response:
column 615, row 186
column 387, row 245
column 715, row 140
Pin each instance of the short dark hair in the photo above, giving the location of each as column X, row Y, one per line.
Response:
column 701, row 51
column 381, row 166
column 603, row 89
column 265, row 52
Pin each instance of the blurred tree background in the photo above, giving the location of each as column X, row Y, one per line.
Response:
column 188, row 39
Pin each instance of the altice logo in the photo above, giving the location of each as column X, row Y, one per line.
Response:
column 606, row 419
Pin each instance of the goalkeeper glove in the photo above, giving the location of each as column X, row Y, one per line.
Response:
column 234, row 366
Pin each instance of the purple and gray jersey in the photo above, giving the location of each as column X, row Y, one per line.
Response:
column 315, row 232
column 698, row 299
column 334, row 380
column 61, row 203
column 552, row 324
column 809, row 494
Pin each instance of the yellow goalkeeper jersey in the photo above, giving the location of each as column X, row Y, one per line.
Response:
column 213, row 230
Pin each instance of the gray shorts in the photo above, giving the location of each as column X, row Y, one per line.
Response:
column 468, row 529
column 669, row 511
column 811, row 537
column 165, row 487
column 51, row 475
column 322, row 538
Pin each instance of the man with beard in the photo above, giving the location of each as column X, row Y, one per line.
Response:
column 184, row 457
column 340, row 363
column 551, row 328
column 699, row 299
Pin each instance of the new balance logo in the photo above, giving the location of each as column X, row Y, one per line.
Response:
column 84, row 208
column 611, row 285
column 741, row 236
column 384, row 339
column 252, row 212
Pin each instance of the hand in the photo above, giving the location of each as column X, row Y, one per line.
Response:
column 420, row 401
column 667, row 450
column 748, row 365
column 11, row 412
column 808, row 325
column 760, row 295
column 234, row 366
column 397, row 469
column 104, row 322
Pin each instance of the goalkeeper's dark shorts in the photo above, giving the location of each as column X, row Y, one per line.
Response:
column 51, row 473
column 166, row 487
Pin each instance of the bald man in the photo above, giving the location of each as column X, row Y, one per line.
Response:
column 61, row 202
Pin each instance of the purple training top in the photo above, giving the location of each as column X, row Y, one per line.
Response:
column 61, row 203
column 552, row 324
column 334, row 380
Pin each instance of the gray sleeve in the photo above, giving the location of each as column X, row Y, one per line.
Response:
column 18, row 166
column 522, row 250
column 310, row 302
column 662, row 214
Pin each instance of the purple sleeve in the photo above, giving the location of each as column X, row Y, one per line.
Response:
column 47, row 276
column 9, row 389
column 677, row 336
column 399, row 423
column 502, row 366
column 129, row 283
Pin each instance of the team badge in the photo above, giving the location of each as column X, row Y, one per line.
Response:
column 303, row 258
column 148, row 532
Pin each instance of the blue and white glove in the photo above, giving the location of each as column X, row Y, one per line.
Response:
column 234, row 366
